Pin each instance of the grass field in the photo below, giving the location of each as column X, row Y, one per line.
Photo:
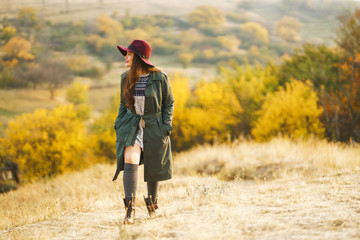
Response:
column 286, row 190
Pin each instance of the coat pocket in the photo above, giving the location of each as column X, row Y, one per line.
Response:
column 164, row 129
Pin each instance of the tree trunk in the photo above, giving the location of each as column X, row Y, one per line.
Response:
column 327, row 120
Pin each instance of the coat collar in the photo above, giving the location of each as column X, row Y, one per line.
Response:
column 155, row 76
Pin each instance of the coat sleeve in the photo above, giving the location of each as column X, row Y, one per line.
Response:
column 167, row 103
column 122, row 108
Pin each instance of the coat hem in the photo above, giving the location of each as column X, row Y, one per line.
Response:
column 157, row 179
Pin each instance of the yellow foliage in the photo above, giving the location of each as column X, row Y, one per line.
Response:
column 208, row 115
column 190, row 36
column 109, row 27
column 137, row 33
column 97, row 42
column 288, row 29
column 11, row 63
column 78, row 63
column 229, row 42
column 77, row 93
column 28, row 16
column 217, row 110
column 292, row 112
column 18, row 48
column 157, row 42
column 256, row 30
column 206, row 15
column 250, row 85
column 185, row 59
column 7, row 32
column 102, row 138
column 47, row 143
column 253, row 50
column 181, row 133
column 285, row 57
column 208, row 53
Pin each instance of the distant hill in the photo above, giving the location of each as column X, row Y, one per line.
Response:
column 318, row 16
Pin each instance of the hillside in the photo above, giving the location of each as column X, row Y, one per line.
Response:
column 318, row 18
column 304, row 190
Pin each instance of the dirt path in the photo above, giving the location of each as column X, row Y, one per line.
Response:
column 206, row 208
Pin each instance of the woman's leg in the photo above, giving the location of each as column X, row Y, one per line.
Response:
column 132, row 159
column 153, row 188
column 151, row 200
column 131, row 163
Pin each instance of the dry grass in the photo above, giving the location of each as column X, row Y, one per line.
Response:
column 279, row 158
column 312, row 194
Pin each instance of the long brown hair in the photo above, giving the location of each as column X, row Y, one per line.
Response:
column 132, row 76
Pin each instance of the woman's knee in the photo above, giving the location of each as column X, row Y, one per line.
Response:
column 132, row 154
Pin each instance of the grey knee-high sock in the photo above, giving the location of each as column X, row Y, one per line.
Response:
column 130, row 180
column 153, row 188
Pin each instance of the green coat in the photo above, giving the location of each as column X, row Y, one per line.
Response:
column 158, row 111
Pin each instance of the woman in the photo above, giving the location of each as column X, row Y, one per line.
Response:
column 143, row 126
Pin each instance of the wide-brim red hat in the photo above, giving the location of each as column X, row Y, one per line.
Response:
column 139, row 47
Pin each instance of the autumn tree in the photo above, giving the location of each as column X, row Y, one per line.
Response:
column 28, row 74
column 81, row 65
column 287, row 28
column 318, row 65
column 291, row 111
column 335, row 79
column 185, row 59
column 181, row 135
column 190, row 37
column 102, row 43
column 250, row 84
column 77, row 94
column 349, row 97
column 216, row 111
column 7, row 32
column 230, row 43
column 256, row 30
column 206, row 15
column 348, row 33
column 56, row 73
column 47, row 142
column 348, row 39
column 28, row 17
column 18, row 49
column 109, row 27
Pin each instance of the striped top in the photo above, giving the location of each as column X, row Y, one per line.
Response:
column 141, row 84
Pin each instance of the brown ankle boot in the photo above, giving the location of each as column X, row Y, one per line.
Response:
column 151, row 206
column 130, row 210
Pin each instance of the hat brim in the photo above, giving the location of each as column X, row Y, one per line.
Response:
column 125, row 50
